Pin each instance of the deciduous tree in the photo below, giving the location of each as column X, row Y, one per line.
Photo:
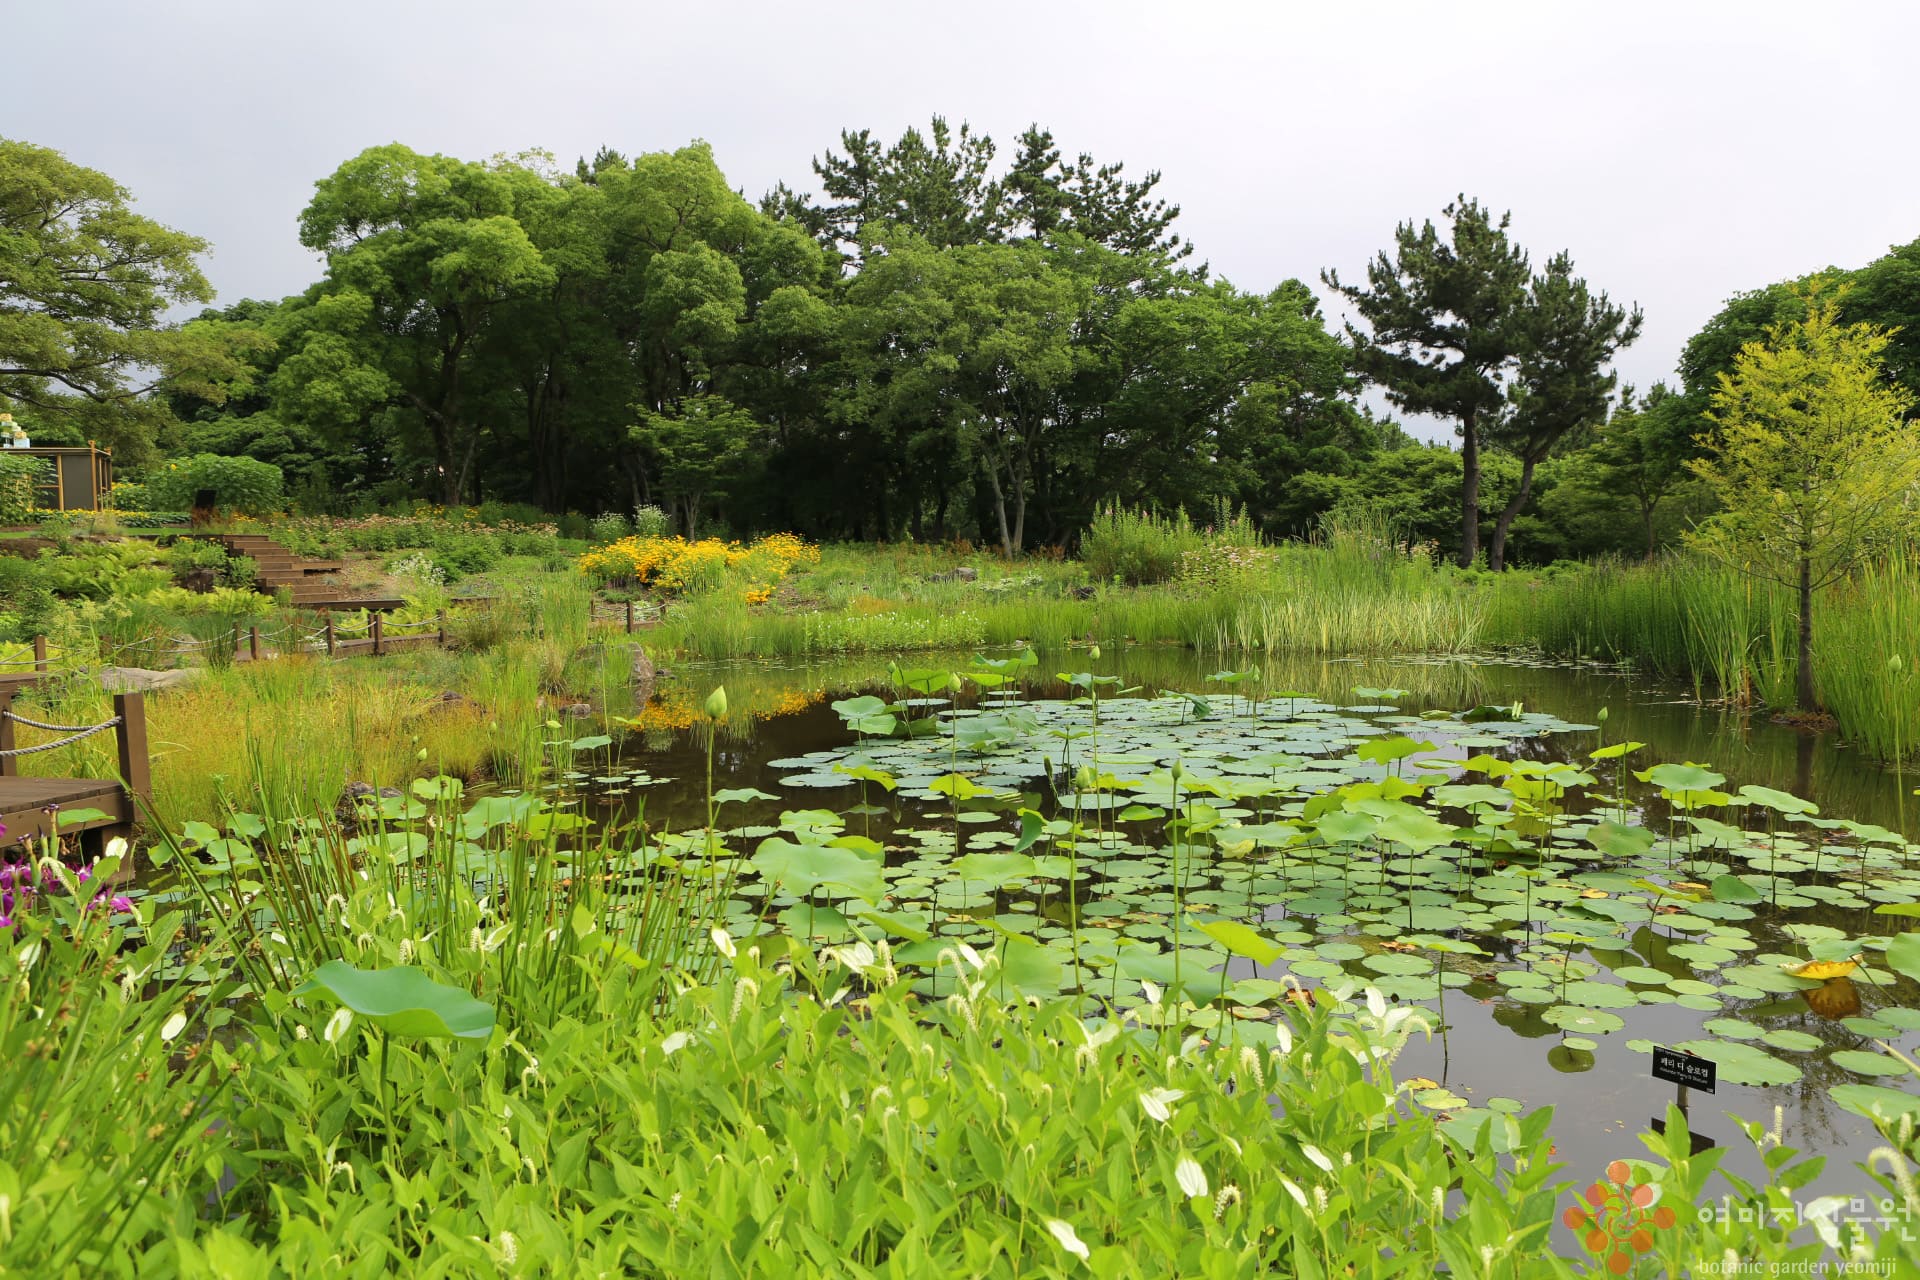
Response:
column 85, row 284
column 1810, row 457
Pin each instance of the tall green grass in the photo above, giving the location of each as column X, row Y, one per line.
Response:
column 1732, row 636
column 1681, row 617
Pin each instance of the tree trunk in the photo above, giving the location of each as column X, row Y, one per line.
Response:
column 1000, row 507
column 1497, row 555
column 1469, row 492
column 1646, row 521
column 1804, row 676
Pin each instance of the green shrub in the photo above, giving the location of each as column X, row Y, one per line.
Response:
column 650, row 521
column 187, row 556
column 610, row 526
column 20, row 476
column 1142, row 547
column 130, row 496
column 238, row 483
column 460, row 552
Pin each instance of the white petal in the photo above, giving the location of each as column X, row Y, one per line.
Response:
column 1072, row 1243
column 173, row 1026
column 1191, row 1177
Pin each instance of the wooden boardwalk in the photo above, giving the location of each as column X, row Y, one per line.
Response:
column 35, row 806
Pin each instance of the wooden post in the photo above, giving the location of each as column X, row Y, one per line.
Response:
column 629, row 617
column 440, row 616
column 130, row 735
column 8, row 768
column 253, row 643
column 40, row 654
column 235, row 642
column 378, row 634
column 329, row 634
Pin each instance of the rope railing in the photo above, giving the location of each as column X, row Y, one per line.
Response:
column 79, row 733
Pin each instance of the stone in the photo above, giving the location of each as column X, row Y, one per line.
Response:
column 643, row 668
column 141, row 680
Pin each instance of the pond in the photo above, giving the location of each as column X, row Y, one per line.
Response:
column 1343, row 822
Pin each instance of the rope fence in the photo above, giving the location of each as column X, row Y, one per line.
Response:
column 75, row 733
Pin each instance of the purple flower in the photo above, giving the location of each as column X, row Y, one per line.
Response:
column 121, row 903
column 86, row 874
column 6, row 922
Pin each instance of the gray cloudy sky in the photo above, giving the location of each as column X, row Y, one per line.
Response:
column 1682, row 151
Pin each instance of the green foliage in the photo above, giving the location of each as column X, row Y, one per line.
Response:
column 1140, row 548
column 1811, row 460
column 237, row 483
column 610, row 526
column 20, row 478
column 650, row 521
column 83, row 335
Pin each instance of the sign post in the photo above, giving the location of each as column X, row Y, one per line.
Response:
column 1685, row 1071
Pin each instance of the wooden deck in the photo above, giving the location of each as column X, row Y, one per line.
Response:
column 44, row 807
column 25, row 802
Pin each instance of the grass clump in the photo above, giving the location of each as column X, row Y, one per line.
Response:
column 1139, row 548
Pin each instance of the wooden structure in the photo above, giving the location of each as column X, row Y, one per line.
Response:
column 304, row 579
column 15, row 676
column 82, row 477
column 32, row 806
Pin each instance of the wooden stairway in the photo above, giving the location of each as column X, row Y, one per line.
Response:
column 306, row 580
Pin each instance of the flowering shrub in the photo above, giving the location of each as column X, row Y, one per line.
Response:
column 1217, row 565
column 674, row 566
column 649, row 522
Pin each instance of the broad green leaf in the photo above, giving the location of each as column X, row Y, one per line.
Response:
column 402, row 1001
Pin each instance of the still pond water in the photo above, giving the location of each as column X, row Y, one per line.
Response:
column 1568, row 977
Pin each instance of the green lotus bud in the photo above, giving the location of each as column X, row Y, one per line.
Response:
column 1602, row 717
column 1178, row 771
column 717, row 704
column 1094, row 653
column 1894, row 664
column 1083, row 779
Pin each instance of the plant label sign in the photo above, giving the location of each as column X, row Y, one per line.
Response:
column 1683, row 1068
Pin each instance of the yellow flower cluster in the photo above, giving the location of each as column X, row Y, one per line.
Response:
column 674, row 566
column 792, row 702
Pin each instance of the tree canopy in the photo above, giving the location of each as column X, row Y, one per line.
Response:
column 85, row 285
column 1810, row 457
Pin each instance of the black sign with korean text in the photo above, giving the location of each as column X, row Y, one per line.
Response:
column 1683, row 1068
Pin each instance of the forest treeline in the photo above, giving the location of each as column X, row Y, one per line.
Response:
column 935, row 342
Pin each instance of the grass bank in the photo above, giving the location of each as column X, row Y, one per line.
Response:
column 1324, row 599
column 1731, row 636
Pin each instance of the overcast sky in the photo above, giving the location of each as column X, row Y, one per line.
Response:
column 1681, row 151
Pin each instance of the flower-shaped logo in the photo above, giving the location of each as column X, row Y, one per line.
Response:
column 1616, row 1219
